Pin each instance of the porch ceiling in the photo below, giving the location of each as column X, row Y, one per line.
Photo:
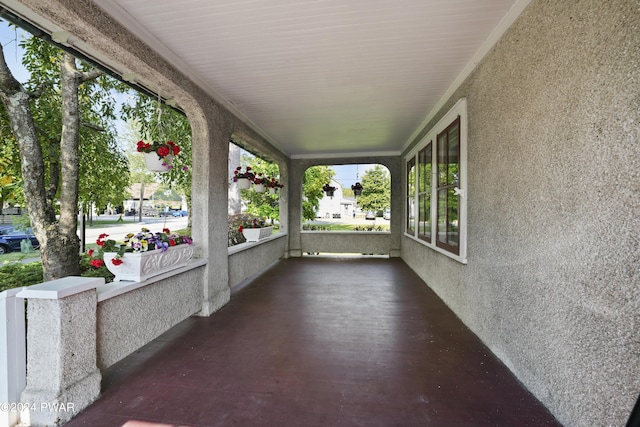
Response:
column 323, row 77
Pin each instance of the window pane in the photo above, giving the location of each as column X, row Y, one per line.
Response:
column 411, row 191
column 424, row 226
column 452, row 218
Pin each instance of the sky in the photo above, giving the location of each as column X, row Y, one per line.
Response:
column 10, row 37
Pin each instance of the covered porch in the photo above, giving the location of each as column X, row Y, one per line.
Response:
column 318, row 341
column 543, row 294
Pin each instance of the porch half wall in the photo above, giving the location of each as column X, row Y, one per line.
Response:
column 551, row 284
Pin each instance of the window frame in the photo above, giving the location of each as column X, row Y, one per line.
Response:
column 459, row 253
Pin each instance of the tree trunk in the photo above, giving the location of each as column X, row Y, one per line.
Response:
column 59, row 243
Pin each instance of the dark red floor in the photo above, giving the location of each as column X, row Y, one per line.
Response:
column 319, row 342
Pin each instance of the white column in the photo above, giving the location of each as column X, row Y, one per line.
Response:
column 13, row 355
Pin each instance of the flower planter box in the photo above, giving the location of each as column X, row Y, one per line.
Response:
column 140, row 266
column 157, row 164
column 256, row 234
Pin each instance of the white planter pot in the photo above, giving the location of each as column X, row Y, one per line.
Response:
column 255, row 234
column 140, row 266
column 158, row 164
column 243, row 183
column 273, row 190
column 259, row 188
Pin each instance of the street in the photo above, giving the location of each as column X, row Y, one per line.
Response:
column 118, row 231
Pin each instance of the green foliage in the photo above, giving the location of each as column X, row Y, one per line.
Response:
column 103, row 167
column 16, row 275
column 314, row 179
column 87, row 270
column 157, row 122
column 376, row 193
column 265, row 205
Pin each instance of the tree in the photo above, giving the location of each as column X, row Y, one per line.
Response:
column 376, row 192
column 49, row 116
column 264, row 205
column 315, row 178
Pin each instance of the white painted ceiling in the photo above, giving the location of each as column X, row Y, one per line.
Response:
column 323, row 77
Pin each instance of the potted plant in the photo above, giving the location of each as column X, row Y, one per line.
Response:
column 357, row 188
column 243, row 179
column 255, row 229
column 329, row 190
column 158, row 156
column 273, row 185
column 259, row 183
column 142, row 255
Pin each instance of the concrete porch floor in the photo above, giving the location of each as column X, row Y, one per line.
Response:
column 318, row 342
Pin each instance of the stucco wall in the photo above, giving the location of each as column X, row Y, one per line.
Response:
column 254, row 257
column 363, row 242
column 552, row 281
column 127, row 322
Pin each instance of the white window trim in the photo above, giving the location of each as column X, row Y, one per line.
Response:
column 459, row 109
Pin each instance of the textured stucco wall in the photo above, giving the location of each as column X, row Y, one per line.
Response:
column 378, row 243
column 127, row 322
column 552, row 281
column 255, row 258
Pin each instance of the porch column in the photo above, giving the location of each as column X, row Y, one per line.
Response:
column 62, row 373
column 210, row 193
column 296, row 176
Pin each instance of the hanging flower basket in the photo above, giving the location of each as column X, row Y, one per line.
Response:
column 258, row 188
column 243, row 179
column 158, row 156
column 243, row 183
column 158, row 164
column 272, row 184
column 357, row 188
column 329, row 190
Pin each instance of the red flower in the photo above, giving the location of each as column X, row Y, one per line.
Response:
column 172, row 242
column 90, row 253
column 143, row 147
column 166, row 231
column 174, row 148
column 97, row 263
column 116, row 261
column 240, row 229
column 163, row 151
column 101, row 239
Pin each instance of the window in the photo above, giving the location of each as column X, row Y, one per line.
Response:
column 411, row 189
column 436, row 179
column 424, row 193
column 448, row 182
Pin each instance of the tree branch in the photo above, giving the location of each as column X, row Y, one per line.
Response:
column 90, row 75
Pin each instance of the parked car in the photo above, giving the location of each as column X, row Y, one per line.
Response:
column 11, row 238
column 387, row 214
column 370, row 215
column 180, row 213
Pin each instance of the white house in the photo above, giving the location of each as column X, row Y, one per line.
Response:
column 336, row 206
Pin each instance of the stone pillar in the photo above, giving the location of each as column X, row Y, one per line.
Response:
column 210, row 205
column 62, row 374
column 296, row 176
column 398, row 200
